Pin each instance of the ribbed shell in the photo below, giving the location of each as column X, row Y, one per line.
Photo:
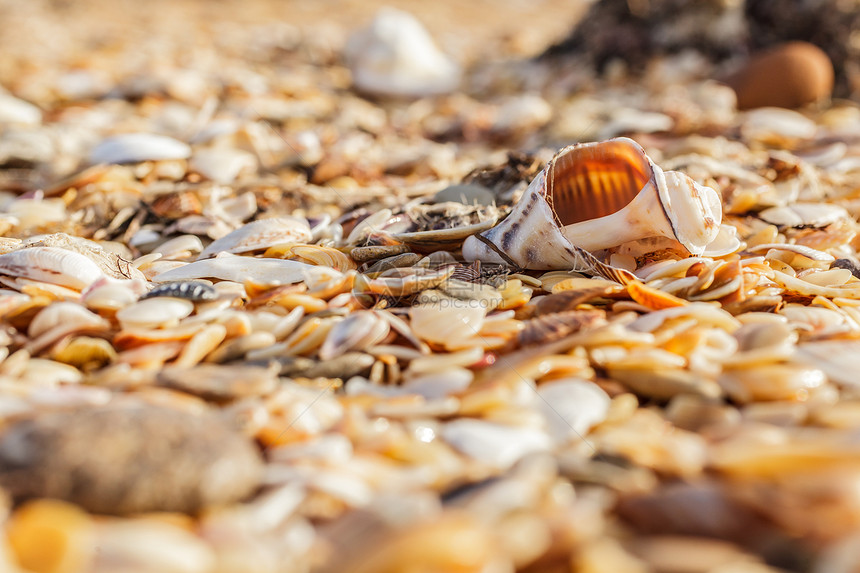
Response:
column 592, row 181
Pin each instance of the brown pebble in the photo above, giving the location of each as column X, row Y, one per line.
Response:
column 790, row 75
column 121, row 460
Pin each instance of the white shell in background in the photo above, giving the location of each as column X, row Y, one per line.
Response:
column 259, row 235
column 222, row 165
column 572, row 407
column 494, row 444
column 154, row 312
column 396, row 56
column 804, row 214
column 239, row 269
column 777, row 125
column 137, row 147
column 51, row 265
column 357, row 331
column 66, row 314
column 14, row 110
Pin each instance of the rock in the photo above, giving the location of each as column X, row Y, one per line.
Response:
column 220, row 382
column 396, row 56
column 121, row 460
column 137, row 147
column 829, row 24
column 789, row 75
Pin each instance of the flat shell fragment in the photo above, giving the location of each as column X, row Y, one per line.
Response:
column 239, row 269
column 136, row 147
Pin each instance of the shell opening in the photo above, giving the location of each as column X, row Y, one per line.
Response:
column 590, row 181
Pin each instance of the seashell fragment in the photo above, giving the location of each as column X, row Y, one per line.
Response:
column 137, row 147
column 396, row 56
column 259, row 235
column 239, row 269
column 594, row 196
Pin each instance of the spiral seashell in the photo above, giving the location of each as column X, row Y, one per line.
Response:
column 594, row 196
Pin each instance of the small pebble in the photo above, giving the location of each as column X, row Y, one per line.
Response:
column 790, row 75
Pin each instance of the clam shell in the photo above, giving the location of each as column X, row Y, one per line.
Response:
column 154, row 312
column 51, row 265
column 137, row 147
column 358, row 331
column 259, row 235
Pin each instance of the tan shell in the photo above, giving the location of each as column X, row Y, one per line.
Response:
column 594, row 196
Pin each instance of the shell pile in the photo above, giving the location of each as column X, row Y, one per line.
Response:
column 256, row 319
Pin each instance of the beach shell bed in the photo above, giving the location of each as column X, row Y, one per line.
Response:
column 323, row 287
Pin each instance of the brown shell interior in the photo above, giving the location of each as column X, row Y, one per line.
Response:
column 593, row 181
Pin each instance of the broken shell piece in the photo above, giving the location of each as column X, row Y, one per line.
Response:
column 259, row 235
column 595, row 196
column 229, row 267
column 136, row 147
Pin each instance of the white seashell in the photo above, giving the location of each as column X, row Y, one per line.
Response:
column 66, row 314
column 572, row 407
column 804, row 214
column 259, row 235
column 628, row 120
column 179, row 245
column 222, row 165
column 110, row 295
column 725, row 243
column 443, row 324
column 51, row 265
column 239, row 269
column 358, row 331
column 776, row 125
column 154, row 312
column 14, row 110
column 371, row 224
column 521, row 113
column 137, row 147
column 837, row 358
column 396, row 56
column 594, row 196
column 808, row 252
column 440, row 384
column 494, row 444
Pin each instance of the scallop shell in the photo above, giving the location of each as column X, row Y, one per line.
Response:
column 595, row 196
column 259, row 235
column 51, row 265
